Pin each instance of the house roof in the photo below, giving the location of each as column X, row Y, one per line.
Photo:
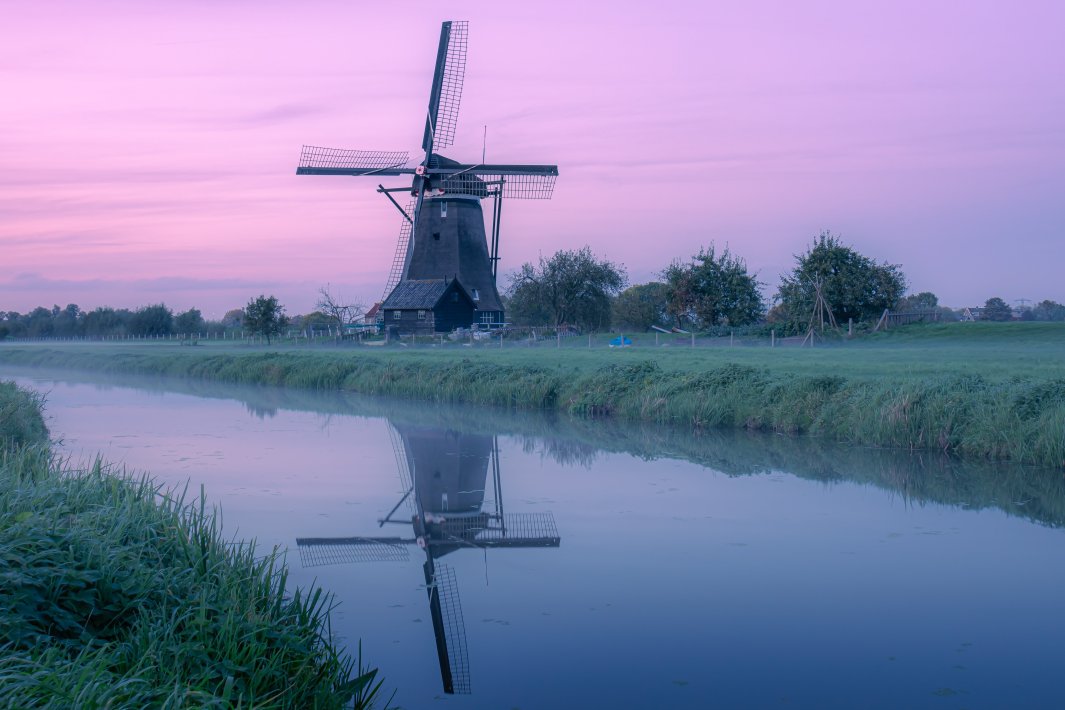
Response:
column 415, row 293
column 373, row 310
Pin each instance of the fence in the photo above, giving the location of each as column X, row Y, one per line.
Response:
column 505, row 338
column 889, row 319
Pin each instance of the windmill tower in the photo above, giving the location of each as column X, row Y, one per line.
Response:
column 445, row 475
column 443, row 237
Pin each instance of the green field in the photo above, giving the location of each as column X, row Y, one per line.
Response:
column 977, row 389
column 115, row 593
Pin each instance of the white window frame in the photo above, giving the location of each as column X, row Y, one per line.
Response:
column 443, row 209
column 476, row 295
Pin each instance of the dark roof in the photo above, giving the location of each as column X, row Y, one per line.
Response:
column 416, row 293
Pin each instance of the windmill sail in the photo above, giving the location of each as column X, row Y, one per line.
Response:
column 315, row 160
column 324, row 551
column 448, row 627
column 399, row 261
column 446, row 93
column 523, row 182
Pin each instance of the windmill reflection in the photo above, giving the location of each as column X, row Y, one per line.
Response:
column 445, row 476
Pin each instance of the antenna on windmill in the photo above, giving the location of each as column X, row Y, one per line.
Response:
column 433, row 246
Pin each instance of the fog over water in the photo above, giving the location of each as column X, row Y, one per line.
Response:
column 581, row 563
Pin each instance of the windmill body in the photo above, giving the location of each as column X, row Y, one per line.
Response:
column 443, row 240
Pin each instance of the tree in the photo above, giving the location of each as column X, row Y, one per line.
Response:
column 711, row 290
column 67, row 320
column 1048, row 310
column 264, row 316
column 996, row 309
column 572, row 287
column 338, row 309
column 854, row 285
column 923, row 301
column 233, row 318
column 152, row 320
column 191, row 321
column 639, row 307
column 106, row 321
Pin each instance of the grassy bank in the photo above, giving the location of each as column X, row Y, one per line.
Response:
column 115, row 593
column 21, row 421
column 983, row 390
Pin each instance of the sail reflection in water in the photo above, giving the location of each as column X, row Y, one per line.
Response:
column 444, row 476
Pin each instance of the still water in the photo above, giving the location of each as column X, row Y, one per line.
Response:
column 559, row 563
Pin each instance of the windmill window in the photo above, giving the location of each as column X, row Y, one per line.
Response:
column 397, row 314
column 421, row 315
column 436, row 236
column 476, row 295
column 443, row 210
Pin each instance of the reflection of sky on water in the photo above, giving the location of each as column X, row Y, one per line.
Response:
column 674, row 586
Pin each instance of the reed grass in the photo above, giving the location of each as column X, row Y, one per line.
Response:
column 994, row 391
column 116, row 593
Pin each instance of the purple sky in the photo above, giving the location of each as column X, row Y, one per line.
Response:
column 149, row 149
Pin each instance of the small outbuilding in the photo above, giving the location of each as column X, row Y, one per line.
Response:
column 425, row 306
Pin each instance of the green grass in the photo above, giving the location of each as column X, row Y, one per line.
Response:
column 115, row 593
column 21, row 421
column 989, row 390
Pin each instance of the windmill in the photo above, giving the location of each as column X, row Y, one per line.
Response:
column 444, row 475
column 443, row 233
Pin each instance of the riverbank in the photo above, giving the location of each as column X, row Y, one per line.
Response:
column 116, row 593
column 993, row 391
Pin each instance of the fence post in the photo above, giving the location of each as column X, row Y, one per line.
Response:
column 693, row 340
column 500, row 339
column 589, row 341
column 731, row 338
column 773, row 338
column 656, row 338
column 558, row 337
column 850, row 327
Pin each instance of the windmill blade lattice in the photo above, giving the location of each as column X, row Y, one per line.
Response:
column 402, row 245
column 526, row 186
column 451, row 630
column 324, row 551
column 313, row 156
column 447, row 110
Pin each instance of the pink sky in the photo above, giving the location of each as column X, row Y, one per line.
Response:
column 149, row 149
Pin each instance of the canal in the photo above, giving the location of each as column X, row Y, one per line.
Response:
column 488, row 559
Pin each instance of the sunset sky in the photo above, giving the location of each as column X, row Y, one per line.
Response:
column 149, row 149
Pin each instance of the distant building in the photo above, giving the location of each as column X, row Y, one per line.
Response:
column 426, row 306
column 972, row 314
column 373, row 316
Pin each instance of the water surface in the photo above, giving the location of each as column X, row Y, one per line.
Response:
column 589, row 564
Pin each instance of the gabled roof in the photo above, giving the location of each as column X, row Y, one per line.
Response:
column 422, row 294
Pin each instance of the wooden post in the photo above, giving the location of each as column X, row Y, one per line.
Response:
column 693, row 340
column 731, row 338
column 656, row 338
column 500, row 339
column 850, row 327
column 558, row 337
column 773, row 338
column 589, row 341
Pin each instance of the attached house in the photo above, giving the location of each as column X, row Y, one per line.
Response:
column 424, row 306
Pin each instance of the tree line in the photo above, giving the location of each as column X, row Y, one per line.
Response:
column 714, row 289
column 262, row 316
